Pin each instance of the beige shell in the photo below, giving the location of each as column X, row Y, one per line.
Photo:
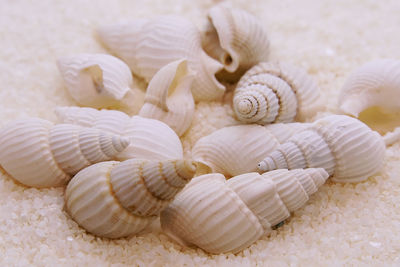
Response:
column 276, row 92
column 149, row 138
column 128, row 195
column 38, row 153
column 222, row 216
column 169, row 98
column 376, row 83
column 235, row 38
column 148, row 45
column 98, row 80
column 345, row 147
column 234, row 150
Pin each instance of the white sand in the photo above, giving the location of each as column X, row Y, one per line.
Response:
column 343, row 224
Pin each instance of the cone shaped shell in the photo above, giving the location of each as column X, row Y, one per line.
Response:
column 37, row 153
column 155, row 43
column 169, row 97
column 128, row 195
column 347, row 149
column 149, row 138
column 376, row 83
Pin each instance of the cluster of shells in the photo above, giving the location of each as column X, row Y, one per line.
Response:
column 125, row 171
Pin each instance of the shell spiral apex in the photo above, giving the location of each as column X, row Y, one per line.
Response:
column 129, row 195
column 222, row 216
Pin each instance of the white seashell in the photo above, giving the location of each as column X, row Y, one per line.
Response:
column 38, row 153
column 235, row 38
column 98, row 80
column 149, row 138
column 222, row 216
column 169, row 98
column 148, row 45
column 276, row 92
column 128, row 195
column 345, row 147
column 376, row 83
column 234, row 150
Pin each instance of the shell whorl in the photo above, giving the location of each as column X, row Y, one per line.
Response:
column 129, row 195
column 345, row 147
column 276, row 92
column 227, row 216
column 37, row 153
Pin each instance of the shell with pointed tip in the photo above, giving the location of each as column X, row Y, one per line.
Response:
column 276, row 92
column 148, row 45
column 345, row 147
column 40, row 154
column 129, row 195
column 236, row 38
column 222, row 216
column 236, row 149
column 149, row 138
column 97, row 80
column 169, row 98
column 376, row 83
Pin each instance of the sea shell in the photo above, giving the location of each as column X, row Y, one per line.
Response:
column 222, row 216
column 149, row 138
column 345, row 147
column 148, row 45
column 276, row 92
column 376, row 83
column 169, row 98
column 236, row 38
column 236, row 149
column 38, row 153
column 98, row 80
column 128, row 195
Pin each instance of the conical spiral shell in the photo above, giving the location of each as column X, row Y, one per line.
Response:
column 227, row 216
column 149, row 138
column 235, row 38
column 276, row 92
column 234, row 150
column 148, row 45
column 128, row 195
column 169, row 98
column 37, row 153
column 97, row 80
column 376, row 83
column 345, row 147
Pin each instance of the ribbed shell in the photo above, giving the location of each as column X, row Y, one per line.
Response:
column 276, row 92
column 236, row 38
column 97, row 80
column 149, row 45
column 149, row 138
column 129, row 195
column 222, row 216
column 345, row 147
column 234, row 150
column 37, row 153
column 169, row 98
column 376, row 83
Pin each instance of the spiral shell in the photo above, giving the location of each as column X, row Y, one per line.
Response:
column 129, row 195
column 235, row 38
column 169, row 98
column 345, row 147
column 227, row 216
column 376, row 83
column 148, row 45
column 234, row 150
column 149, row 138
column 276, row 92
column 40, row 154
column 98, row 80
